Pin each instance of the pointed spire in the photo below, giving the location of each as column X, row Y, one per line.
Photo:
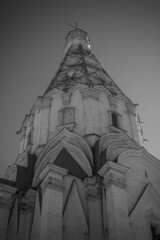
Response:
column 81, row 66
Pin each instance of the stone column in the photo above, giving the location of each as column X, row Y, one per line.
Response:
column 26, row 215
column 52, row 202
column 116, row 202
column 45, row 116
column 6, row 193
column 94, row 203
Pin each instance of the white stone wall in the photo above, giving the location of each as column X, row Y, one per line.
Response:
column 91, row 109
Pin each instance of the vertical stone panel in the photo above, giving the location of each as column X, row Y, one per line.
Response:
column 116, row 202
column 26, row 215
column 5, row 206
column 52, row 202
column 94, row 203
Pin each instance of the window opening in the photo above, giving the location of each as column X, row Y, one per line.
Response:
column 66, row 115
column 114, row 120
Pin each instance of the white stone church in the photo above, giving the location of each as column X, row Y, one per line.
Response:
column 82, row 172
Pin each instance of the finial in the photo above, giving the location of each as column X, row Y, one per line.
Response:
column 75, row 26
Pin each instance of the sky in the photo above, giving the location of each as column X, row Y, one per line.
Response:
column 124, row 35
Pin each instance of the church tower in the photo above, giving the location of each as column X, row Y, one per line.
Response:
column 82, row 172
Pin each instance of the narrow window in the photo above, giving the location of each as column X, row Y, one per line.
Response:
column 66, row 115
column 114, row 120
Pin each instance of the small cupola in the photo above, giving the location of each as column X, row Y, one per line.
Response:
column 77, row 37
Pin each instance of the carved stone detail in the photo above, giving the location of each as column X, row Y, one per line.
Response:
column 28, row 201
column 93, row 188
column 114, row 173
column 113, row 102
column 66, row 98
column 52, row 177
column 131, row 109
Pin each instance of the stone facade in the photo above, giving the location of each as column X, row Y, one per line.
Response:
column 82, row 172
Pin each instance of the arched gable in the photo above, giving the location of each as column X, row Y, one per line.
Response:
column 70, row 142
column 139, row 153
column 108, row 138
column 70, row 137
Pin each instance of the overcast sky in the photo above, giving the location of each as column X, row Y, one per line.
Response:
column 124, row 35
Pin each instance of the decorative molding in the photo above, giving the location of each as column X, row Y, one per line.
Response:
column 118, row 146
column 113, row 173
column 21, row 158
column 70, row 137
column 107, row 138
column 90, row 93
column 46, row 103
column 102, row 89
column 66, row 98
column 24, row 125
column 5, row 203
column 137, row 153
column 7, row 191
column 93, row 188
column 36, row 104
column 28, row 202
column 113, row 102
column 131, row 108
column 51, row 156
column 68, row 126
column 10, row 171
column 52, row 176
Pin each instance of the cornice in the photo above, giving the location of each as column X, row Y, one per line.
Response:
column 66, row 98
column 131, row 108
column 93, row 188
column 113, row 102
column 90, row 93
column 113, row 174
column 52, row 177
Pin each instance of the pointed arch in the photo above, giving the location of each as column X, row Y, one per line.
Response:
column 108, row 138
column 139, row 153
column 71, row 145
column 117, row 147
column 70, row 137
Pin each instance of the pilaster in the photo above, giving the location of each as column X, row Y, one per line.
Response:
column 94, row 203
column 45, row 116
column 116, row 202
column 26, row 215
column 52, row 202
column 6, row 193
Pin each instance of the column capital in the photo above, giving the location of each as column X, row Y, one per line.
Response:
column 114, row 174
column 28, row 201
column 7, row 190
column 6, row 193
column 93, row 187
column 52, row 176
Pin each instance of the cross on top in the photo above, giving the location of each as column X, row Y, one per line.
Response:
column 75, row 26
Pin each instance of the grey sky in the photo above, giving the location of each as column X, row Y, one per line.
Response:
column 124, row 35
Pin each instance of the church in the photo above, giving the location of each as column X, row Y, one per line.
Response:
column 82, row 172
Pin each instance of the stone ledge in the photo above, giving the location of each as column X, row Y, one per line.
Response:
column 114, row 173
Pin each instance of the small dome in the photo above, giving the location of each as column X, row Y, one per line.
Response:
column 76, row 34
column 77, row 37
